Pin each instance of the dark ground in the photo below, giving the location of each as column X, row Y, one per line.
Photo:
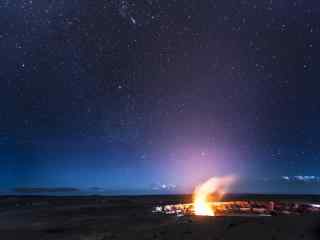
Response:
column 101, row 218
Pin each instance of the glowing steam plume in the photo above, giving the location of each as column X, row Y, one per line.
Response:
column 201, row 204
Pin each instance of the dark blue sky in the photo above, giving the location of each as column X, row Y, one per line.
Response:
column 127, row 94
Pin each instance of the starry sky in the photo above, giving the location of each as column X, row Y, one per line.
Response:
column 126, row 94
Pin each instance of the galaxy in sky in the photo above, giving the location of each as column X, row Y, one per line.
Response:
column 140, row 96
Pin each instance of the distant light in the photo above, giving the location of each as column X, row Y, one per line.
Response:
column 164, row 186
column 301, row 178
column 133, row 20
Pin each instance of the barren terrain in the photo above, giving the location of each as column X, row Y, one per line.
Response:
column 101, row 218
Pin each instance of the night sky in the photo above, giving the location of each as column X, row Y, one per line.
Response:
column 128, row 95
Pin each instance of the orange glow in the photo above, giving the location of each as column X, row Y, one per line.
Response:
column 202, row 206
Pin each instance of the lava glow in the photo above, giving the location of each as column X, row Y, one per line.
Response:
column 202, row 206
